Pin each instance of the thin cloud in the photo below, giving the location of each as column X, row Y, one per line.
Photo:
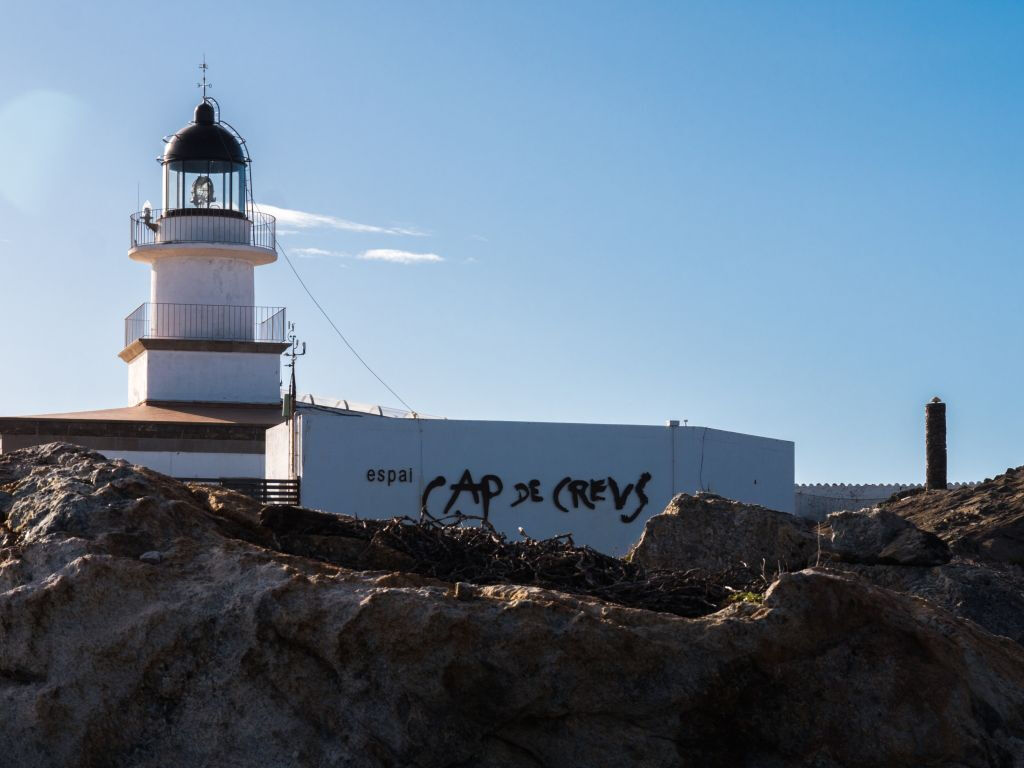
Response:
column 399, row 257
column 303, row 220
column 312, row 253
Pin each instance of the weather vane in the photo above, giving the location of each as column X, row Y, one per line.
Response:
column 204, row 85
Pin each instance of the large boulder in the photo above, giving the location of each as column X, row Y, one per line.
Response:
column 712, row 533
column 226, row 651
column 991, row 596
column 878, row 536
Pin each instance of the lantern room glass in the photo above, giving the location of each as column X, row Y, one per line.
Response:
column 204, row 184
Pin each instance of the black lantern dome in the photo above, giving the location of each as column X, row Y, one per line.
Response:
column 204, row 139
column 205, row 168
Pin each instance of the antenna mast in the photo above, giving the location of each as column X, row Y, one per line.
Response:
column 204, row 85
column 297, row 350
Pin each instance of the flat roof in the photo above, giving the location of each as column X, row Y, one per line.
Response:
column 175, row 413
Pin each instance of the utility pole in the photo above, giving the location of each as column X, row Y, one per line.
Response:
column 288, row 407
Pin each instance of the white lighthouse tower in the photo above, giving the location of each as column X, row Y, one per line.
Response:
column 200, row 338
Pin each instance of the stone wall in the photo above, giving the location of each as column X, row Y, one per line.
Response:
column 816, row 500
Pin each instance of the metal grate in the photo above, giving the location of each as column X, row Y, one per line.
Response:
column 264, row 491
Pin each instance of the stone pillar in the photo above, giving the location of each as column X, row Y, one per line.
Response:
column 935, row 445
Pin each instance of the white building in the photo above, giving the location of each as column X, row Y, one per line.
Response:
column 204, row 387
column 599, row 482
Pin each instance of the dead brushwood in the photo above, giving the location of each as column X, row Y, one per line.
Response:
column 466, row 549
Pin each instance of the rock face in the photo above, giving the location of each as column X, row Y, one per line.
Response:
column 226, row 651
column 712, row 533
column 881, row 537
column 993, row 597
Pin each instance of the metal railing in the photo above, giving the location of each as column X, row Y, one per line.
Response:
column 264, row 491
column 220, row 322
column 203, row 225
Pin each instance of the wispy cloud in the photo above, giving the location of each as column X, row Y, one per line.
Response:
column 399, row 257
column 374, row 254
column 292, row 219
column 313, row 253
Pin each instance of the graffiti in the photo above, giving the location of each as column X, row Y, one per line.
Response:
column 527, row 492
column 568, row 492
column 589, row 493
column 482, row 492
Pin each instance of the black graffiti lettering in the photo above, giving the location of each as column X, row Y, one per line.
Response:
column 482, row 492
column 489, row 492
column 437, row 482
column 578, row 489
column 526, row 492
column 558, row 490
column 522, row 494
column 465, row 484
column 535, row 491
column 619, row 498
column 640, row 485
column 582, row 493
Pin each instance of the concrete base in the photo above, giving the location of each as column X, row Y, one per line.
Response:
column 198, row 371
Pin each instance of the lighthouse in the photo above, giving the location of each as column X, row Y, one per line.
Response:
column 204, row 362
column 200, row 338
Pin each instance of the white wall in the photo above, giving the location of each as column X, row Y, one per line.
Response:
column 278, row 466
column 202, row 280
column 337, row 450
column 137, row 379
column 219, row 377
column 180, row 464
column 214, row 229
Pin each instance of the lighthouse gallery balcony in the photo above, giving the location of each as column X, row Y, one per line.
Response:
column 206, row 322
column 220, row 226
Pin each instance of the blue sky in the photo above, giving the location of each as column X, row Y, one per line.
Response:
column 800, row 220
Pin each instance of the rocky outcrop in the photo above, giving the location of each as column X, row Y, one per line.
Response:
column 710, row 532
column 984, row 522
column 881, row 537
column 713, row 533
column 878, row 545
column 224, row 650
